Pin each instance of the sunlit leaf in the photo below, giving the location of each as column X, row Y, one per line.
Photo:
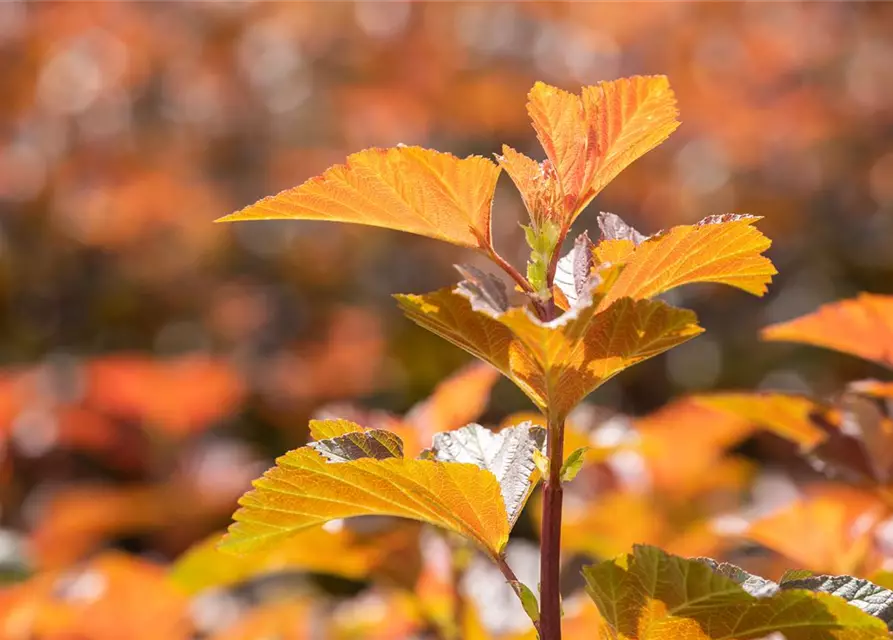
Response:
column 573, row 464
column 304, row 490
column 591, row 138
column 650, row 595
column 719, row 249
column 861, row 326
column 871, row 598
column 617, row 240
column 863, row 594
column 325, row 429
column 405, row 188
column 536, row 182
column 508, row 455
column 791, row 416
column 559, row 363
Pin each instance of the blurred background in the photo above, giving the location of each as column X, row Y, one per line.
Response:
column 148, row 352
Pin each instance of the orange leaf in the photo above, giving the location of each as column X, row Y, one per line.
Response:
column 288, row 619
column 559, row 363
column 536, row 182
column 611, row 524
column 707, row 434
column 861, row 326
column 791, row 416
column 179, row 396
column 830, row 530
column 718, row 249
column 455, row 402
column 591, row 138
column 110, row 598
column 79, row 519
column 405, row 188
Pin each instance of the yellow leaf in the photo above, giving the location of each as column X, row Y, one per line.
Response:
column 650, row 595
column 719, row 249
column 303, row 490
column 789, row 415
column 339, row 551
column 405, row 188
column 325, row 429
column 861, row 326
column 556, row 364
column 591, row 138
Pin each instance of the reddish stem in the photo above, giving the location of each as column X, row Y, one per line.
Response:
column 541, row 308
column 550, row 541
column 509, row 269
column 511, row 578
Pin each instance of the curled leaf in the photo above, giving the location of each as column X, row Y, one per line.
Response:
column 485, row 291
column 507, row 454
column 574, row 270
column 556, row 364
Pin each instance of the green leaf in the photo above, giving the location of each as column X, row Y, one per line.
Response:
column 651, row 595
column 573, row 464
column 528, row 600
column 795, row 574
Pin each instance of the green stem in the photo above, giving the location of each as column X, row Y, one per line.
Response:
column 550, row 540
